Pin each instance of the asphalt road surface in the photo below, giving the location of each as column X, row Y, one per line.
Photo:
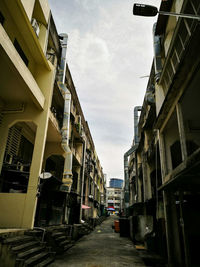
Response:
column 101, row 248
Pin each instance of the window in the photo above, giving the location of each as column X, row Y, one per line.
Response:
column 21, row 52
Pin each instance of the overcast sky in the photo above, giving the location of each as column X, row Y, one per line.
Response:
column 109, row 49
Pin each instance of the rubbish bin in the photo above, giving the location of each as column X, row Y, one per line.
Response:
column 124, row 227
column 117, row 229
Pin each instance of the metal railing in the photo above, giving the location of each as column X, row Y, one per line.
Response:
column 180, row 40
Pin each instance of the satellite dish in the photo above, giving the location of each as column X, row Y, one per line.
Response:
column 45, row 175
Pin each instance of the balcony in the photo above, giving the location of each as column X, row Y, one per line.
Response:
column 186, row 174
column 77, row 156
column 54, row 121
column 21, row 19
column 181, row 39
column 16, row 77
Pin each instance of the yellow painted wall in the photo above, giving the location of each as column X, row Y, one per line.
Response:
column 28, row 6
column 53, row 148
column 27, row 207
column 21, row 67
column 45, row 8
column 15, row 203
column 13, row 31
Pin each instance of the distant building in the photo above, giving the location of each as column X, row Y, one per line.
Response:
column 114, row 198
column 116, row 183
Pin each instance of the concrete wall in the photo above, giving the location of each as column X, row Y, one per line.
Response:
column 28, row 7
column 15, row 203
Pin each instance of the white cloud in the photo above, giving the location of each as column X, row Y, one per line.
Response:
column 88, row 5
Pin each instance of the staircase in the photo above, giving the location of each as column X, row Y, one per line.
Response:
column 60, row 238
column 25, row 250
column 39, row 246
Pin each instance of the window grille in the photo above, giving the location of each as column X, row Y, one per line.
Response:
column 13, row 142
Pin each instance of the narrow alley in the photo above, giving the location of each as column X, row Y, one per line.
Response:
column 102, row 248
column 99, row 118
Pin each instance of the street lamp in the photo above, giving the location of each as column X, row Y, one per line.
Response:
column 151, row 11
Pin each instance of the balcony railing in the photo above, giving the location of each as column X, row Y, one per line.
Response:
column 55, row 121
column 180, row 40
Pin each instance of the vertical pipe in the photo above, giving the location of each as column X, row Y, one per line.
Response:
column 83, row 176
column 136, row 119
column 157, row 54
column 62, row 67
column 67, row 174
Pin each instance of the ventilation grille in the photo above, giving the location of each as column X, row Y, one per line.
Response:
column 13, row 142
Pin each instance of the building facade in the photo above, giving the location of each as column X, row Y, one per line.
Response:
column 45, row 141
column 114, row 198
column 115, row 182
column 162, row 184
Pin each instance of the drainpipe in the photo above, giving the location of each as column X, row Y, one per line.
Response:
column 67, row 173
column 83, row 177
column 136, row 118
column 128, row 153
column 157, row 54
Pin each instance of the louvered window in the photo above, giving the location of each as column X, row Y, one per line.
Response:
column 13, row 143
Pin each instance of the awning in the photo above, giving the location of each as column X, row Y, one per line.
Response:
column 111, row 208
column 85, row 207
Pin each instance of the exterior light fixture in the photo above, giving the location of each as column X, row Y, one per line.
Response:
column 151, row 11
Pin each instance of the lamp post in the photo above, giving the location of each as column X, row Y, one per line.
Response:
column 151, row 11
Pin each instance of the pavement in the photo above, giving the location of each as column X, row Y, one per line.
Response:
column 101, row 248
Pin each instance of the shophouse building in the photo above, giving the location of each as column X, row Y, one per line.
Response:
column 45, row 146
column 162, row 189
column 114, row 198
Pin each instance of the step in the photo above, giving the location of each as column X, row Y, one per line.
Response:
column 34, row 233
column 17, row 239
column 66, row 247
column 60, row 238
column 36, row 259
column 30, row 252
column 66, row 242
column 57, row 234
column 45, row 262
column 22, row 247
column 68, row 237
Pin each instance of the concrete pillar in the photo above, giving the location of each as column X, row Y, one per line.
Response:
column 146, row 179
column 181, row 130
column 86, row 190
column 172, row 231
column 163, row 160
column 45, row 81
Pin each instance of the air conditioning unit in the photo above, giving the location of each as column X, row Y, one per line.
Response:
column 35, row 26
